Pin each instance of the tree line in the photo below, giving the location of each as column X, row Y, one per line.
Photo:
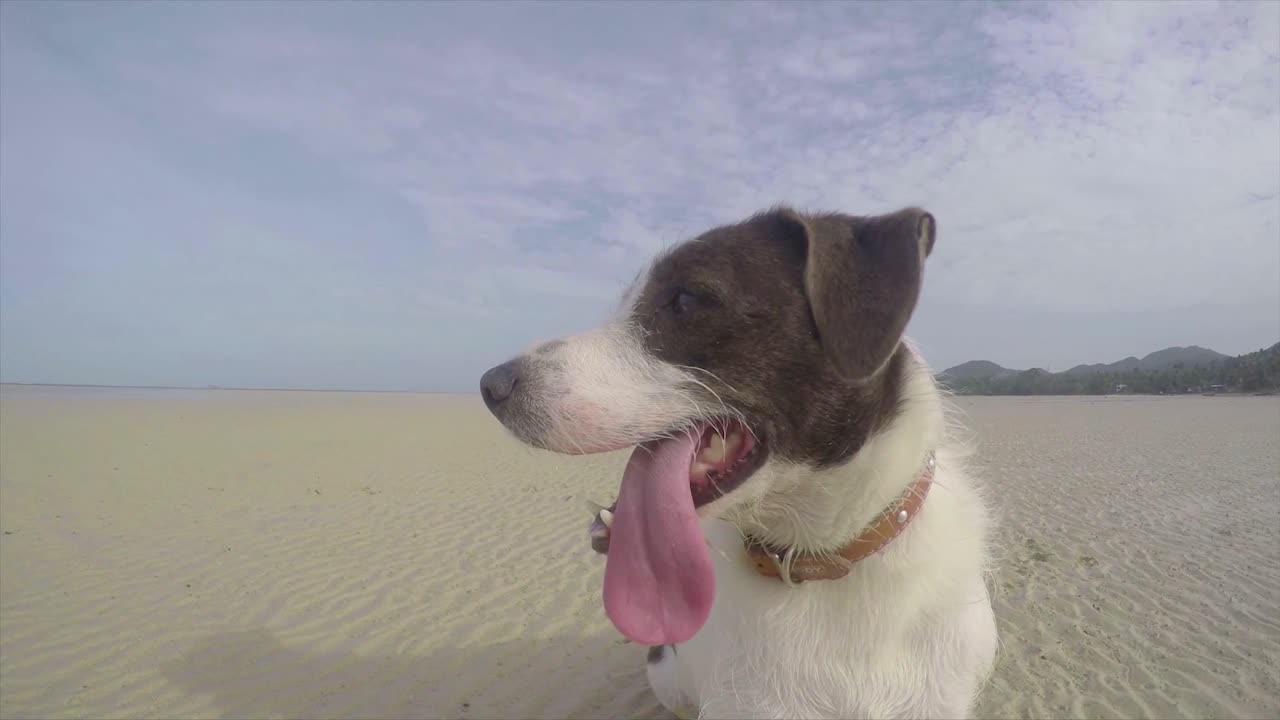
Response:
column 1251, row 373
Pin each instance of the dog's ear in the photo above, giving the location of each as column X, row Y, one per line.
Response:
column 862, row 277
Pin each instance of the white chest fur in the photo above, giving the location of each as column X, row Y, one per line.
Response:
column 909, row 633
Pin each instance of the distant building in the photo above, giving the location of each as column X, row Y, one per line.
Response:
column 1121, row 387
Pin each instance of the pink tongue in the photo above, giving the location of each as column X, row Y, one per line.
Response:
column 658, row 578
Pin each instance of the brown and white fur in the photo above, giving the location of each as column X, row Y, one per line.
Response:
column 790, row 324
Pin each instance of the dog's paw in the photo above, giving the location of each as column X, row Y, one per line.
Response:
column 600, row 527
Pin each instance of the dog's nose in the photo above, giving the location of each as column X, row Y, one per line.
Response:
column 497, row 384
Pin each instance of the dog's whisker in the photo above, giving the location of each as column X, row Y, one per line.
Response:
column 712, row 375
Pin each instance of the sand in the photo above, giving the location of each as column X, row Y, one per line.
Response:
column 266, row 554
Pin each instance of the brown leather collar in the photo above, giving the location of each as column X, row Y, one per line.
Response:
column 891, row 522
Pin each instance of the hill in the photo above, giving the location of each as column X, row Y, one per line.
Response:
column 1158, row 360
column 1172, row 370
column 977, row 369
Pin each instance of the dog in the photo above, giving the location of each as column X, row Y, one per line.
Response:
column 795, row 534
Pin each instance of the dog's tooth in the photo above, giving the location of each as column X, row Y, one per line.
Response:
column 606, row 517
column 733, row 442
column 715, row 450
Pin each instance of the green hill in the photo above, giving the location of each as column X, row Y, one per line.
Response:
column 1170, row 371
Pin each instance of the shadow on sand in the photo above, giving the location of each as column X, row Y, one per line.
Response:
column 252, row 674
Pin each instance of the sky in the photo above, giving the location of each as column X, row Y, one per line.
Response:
column 396, row 196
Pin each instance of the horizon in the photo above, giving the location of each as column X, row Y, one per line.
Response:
column 405, row 391
column 393, row 198
column 238, row 389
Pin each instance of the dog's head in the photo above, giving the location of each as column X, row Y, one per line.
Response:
column 778, row 327
column 775, row 339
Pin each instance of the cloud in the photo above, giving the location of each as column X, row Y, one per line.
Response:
column 503, row 170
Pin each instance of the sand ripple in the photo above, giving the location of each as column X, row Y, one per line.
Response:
column 292, row 555
column 1138, row 567
column 410, row 566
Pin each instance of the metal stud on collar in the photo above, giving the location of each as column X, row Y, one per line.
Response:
column 930, row 464
column 783, row 565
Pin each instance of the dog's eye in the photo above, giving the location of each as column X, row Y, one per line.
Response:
column 684, row 302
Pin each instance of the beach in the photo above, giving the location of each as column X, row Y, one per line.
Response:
column 231, row 554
